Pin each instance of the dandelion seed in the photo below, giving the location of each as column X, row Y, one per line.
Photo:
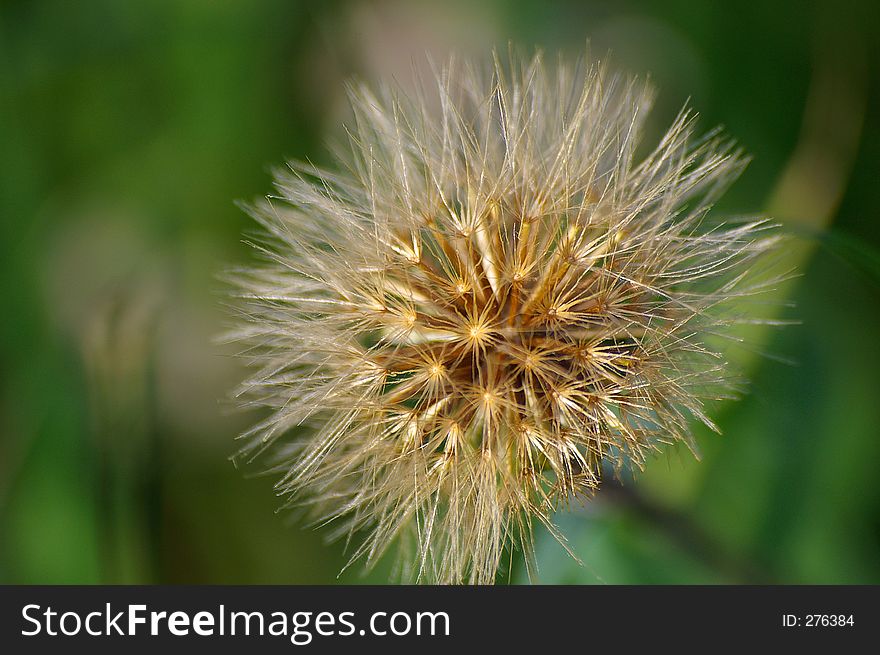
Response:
column 486, row 305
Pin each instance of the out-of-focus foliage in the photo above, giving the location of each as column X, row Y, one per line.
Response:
column 128, row 129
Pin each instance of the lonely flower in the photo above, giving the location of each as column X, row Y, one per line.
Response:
column 499, row 292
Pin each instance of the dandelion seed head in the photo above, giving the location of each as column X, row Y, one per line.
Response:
column 486, row 304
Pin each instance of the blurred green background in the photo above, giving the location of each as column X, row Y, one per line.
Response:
column 129, row 128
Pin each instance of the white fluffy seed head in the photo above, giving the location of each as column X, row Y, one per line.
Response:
column 494, row 296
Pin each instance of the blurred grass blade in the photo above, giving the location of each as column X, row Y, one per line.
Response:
column 859, row 254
